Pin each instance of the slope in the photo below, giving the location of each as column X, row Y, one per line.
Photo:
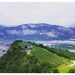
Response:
column 39, row 60
column 44, row 55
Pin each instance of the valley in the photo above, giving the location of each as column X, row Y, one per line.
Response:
column 59, row 44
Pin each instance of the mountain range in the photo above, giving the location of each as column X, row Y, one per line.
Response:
column 39, row 31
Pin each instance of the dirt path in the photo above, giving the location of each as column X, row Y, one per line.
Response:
column 73, row 63
column 28, row 52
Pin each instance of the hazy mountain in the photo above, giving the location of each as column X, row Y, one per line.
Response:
column 39, row 31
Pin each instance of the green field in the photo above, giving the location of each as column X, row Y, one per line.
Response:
column 65, row 69
column 45, row 56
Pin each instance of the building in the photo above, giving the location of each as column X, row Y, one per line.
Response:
column 27, row 47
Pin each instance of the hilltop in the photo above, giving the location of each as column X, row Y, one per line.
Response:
column 44, row 55
column 27, row 57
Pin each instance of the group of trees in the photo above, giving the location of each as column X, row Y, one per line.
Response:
column 15, row 61
column 72, row 70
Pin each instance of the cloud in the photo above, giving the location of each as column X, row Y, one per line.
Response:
column 51, row 34
column 13, row 32
column 22, row 32
column 28, row 32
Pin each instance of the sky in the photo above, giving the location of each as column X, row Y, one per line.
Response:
column 16, row 13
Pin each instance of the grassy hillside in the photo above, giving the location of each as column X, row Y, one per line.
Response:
column 44, row 55
column 62, row 53
column 39, row 60
column 66, row 69
column 16, row 61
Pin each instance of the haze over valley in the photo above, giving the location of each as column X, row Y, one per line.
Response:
column 42, row 33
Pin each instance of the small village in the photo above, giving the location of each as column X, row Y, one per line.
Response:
column 4, row 46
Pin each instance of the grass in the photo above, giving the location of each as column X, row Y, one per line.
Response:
column 65, row 69
column 24, row 43
column 45, row 56
column 63, row 53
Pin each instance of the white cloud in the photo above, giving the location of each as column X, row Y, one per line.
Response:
column 13, row 32
column 23, row 32
column 28, row 32
column 32, row 25
column 51, row 34
column 1, row 33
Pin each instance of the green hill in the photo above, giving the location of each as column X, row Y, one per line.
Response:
column 44, row 55
column 63, row 53
column 38, row 60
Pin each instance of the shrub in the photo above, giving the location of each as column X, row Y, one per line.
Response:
column 72, row 71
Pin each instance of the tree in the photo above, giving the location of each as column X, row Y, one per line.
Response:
column 40, row 45
column 72, row 71
column 55, row 71
column 46, row 67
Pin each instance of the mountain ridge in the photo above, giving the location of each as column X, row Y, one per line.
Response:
column 38, row 31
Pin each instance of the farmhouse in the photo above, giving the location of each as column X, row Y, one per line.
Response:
column 27, row 47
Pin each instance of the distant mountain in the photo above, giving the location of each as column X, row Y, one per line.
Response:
column 39, row 31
